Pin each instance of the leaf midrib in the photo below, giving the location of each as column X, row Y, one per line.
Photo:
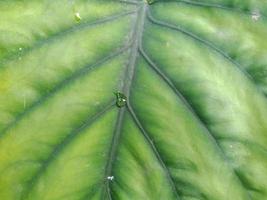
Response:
column 137, row 31
column 138, row 27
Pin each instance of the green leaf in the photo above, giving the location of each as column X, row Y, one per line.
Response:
column 131, row 99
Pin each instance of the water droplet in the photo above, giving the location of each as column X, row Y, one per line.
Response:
column 121, row 99
column 255, row 16
column 77, row 17
column 110, row 178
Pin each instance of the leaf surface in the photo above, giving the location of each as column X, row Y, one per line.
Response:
column 192, row 74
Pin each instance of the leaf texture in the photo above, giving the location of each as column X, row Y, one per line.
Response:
column 194, row 76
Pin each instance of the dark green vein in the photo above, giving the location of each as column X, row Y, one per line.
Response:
column 212, row 5
column 164, row 77
column 76, row 132
column 61, row 34
column 197, row 38
column 154, row 149
column 180, row 96
column 61, row 85
column 208, row 44
column 137, row 32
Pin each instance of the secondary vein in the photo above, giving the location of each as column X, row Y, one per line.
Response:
column 208, row 44
column 63, row 33
column 76, row 132
column 169, row 82
column 154, row 149
column 60, row 86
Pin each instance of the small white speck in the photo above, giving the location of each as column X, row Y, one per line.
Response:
column 110, row 178
column 231, row 146
column 19, row 58
column 255, row 16
column 20, row 49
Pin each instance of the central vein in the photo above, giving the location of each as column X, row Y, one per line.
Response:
column 136, row 35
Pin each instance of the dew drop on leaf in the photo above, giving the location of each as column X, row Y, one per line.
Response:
column 77, row 17
column 121, row 99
